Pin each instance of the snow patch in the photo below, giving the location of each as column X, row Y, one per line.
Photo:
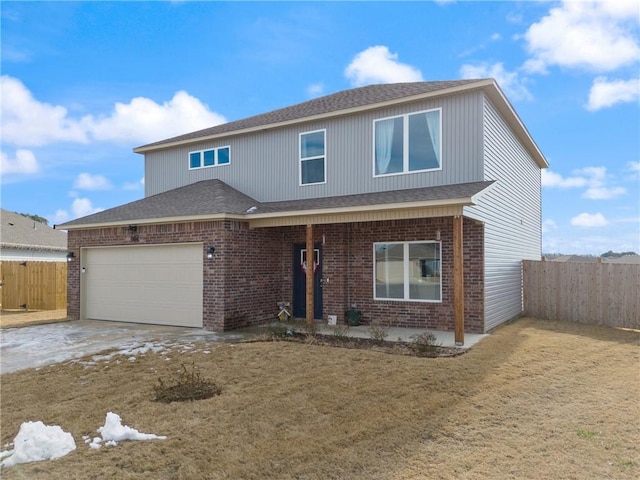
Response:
column 36, row 442
column 113, row 432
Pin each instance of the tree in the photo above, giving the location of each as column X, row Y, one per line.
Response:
column 37, row 218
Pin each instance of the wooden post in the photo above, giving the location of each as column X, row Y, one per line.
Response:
column 310, row 262
column 458, row 280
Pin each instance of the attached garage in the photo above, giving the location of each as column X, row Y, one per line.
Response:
column 156, row 284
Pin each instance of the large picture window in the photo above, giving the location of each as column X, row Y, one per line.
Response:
column 312, row 158
column 407, row 271
column 210, row 158
column 408, row 143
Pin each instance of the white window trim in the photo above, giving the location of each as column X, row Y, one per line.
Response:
column 405, row 267
column 300, row 159
column 405, row 144
column 215, row 158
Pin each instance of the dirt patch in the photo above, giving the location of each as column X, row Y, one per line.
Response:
column 20, row 318
column 536, row 399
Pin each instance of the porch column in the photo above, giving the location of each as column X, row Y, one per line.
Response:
column 310, row 260
column 458, row 280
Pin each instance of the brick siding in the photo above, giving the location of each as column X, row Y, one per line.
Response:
column 252, row 269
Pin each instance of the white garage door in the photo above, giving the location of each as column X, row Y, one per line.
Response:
column 159, row 284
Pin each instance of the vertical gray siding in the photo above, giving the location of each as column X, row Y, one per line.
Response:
column 511, row 210
column 265, row 164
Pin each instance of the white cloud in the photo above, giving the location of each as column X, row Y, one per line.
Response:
column 134, row 185
column 143, row 120
column 597, row 184
column 378, row 65
column 633, row 166
column 588, row 220
column 510, row 82
column 594, row 178
column 603, row 193
column 26, row 122
column 24, row 163
column 605, row 93
column 315, row 90
column 80, row 207
column 593, row 35
column 86, row 181
column 552, row 179
column 549, row 226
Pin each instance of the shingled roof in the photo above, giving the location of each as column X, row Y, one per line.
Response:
column 344, row 100
column 207, row 197
column 215, row 199
column 20, row 232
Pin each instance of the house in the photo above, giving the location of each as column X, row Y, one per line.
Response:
column 418, row 200
column 33, row 264
column 22, row 239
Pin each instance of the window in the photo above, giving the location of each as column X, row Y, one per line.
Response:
column 209, row 158
column 408, row 143
column 407, row 271
column 312, row 158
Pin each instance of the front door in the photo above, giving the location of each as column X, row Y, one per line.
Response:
column 300, row 264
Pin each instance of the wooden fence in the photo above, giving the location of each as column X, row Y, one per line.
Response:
column 593, row 293
column 33, row 285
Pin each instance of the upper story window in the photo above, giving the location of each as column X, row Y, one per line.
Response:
column 408, row 143
column 210, row 158
column 312, row 158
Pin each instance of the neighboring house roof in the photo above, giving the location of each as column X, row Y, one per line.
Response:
column 23, row 233
column 354, row 100
column 630, row 259
column 214, row 199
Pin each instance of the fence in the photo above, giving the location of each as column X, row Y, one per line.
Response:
column 593, row 293
column 33, row 285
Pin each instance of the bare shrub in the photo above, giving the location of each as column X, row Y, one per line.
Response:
column 187, row 385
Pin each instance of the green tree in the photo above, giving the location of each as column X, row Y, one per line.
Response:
column 37, row 218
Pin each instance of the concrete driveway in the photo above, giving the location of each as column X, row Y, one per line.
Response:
column 40, row 345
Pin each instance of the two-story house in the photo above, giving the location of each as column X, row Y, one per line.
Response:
column 419, row 201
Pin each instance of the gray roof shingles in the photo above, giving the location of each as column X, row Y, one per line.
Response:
column 356, row 97
column 214, row 197
column 18, row 231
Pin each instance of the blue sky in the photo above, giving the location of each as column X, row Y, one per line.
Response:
column 85, row 82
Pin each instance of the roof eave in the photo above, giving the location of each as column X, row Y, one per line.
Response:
column 504, row 106
column 307, row 213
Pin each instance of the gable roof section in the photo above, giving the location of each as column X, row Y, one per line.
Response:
column 356, row 100
column 215, row 200
column 205, row 198
column 20, row 232
column 329, row 104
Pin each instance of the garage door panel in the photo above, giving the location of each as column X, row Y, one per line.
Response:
column 160, row 284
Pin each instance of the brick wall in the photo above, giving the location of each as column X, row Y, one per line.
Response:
column 252, row 269
column 348, row 271
column 241, row 283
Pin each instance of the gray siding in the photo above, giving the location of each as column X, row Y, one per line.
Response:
column 511, row 210
column 265, row 165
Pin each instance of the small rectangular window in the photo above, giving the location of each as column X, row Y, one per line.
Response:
column 312, row 158
column 194, row 160
column 407, row 143
column 407, row 271
column 210, row 158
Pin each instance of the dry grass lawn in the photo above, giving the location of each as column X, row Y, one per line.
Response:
column 20, row 318
column 537, row 399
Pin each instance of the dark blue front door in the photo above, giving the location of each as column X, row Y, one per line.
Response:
column 300, row 280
